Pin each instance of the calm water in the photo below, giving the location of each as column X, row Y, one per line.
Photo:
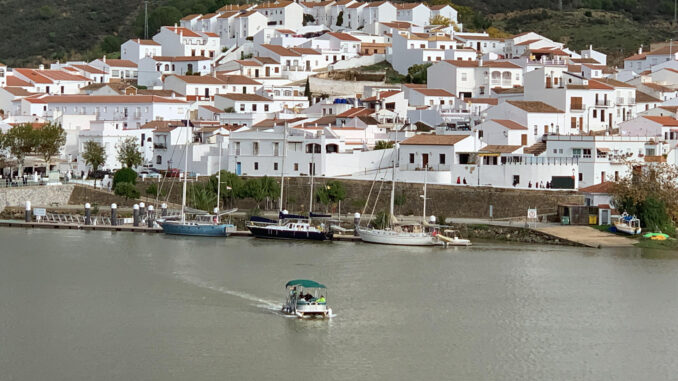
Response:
column 118, row 306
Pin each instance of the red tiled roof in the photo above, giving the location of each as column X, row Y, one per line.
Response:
column 184, row 31
column 511, row 125
column 434, row 92
column 534, row 106
column 604, row 187
column 460, row 63
column 89, row 69
column 354, row 112
column 245, row 97
column 434, row 140
column 180, row 58
column 665, row 121
column 14, row 81
column 489, row 101
column 342, row 36
column 382, row 95
column 279, row 50
column 119, row 63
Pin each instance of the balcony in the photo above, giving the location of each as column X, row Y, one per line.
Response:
column 159, row 146
column 603, row 103
column 626, row 101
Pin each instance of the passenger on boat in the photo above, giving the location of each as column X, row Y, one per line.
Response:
column 321, row 299
column 308, row 297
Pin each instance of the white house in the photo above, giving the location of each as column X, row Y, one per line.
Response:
column 415, row 13
column 152, row 70
column 178, row 41
column 117, row 69
column 136, row 49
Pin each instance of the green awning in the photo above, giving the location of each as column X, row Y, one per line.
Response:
column 305, row 283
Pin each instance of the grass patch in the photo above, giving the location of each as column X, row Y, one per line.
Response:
column 392, row 76
column 669, row 244
column 614, row 33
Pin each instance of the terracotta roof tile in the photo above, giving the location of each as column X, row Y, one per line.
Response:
column 434, row 140
column 511, row 125
column 535, row 106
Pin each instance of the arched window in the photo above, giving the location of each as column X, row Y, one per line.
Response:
column 166, row 67
column 158, row 160
column 331, row 148
column 313, row 148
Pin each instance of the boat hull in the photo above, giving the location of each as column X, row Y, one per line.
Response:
column 389, row 237
column 198, row 230
column 624, row 228
column 271, row 233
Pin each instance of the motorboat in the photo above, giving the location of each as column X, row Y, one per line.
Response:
column 451, row 238
column 628, row 224
column 306, row 298
column 288, row 226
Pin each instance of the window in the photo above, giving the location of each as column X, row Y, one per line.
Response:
column 463, row 76
column 254, row 107
column 275, row 166
column 581, row 176
column 536, row 130
column 595, row 113
column 411, row 158
column 266, row 108
column 237, row 148
column 480, row 134
column 442, row 158
column 516, row 180
column 576, row 152
column 296, row 166
column 255, row 148
column 158, row 160
column 242, row 107
column 256, row 166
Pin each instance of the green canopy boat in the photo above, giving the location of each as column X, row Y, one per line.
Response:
column 306, row 298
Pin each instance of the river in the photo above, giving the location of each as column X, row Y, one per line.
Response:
column 77, row 305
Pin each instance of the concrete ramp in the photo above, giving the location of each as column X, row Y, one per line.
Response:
column 588, row 236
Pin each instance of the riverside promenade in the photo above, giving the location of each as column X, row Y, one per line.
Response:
column 582, row 235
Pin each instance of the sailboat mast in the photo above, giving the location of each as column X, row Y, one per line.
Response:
column 183, row 193
column 221, row 141
column 393, row 177
column 312, row 170
column 425, row 183
column 282, row 169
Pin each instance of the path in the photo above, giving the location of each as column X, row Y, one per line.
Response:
column 587, row 236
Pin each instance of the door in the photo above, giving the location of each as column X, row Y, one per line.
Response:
column 308, row 65
column 424, row 160
column 207, row 92
column 256, row 73
column 238, row 168
column 605, row 217
column 268, row 71
column 523, row 139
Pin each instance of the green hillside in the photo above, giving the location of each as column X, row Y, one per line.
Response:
column 47, row 30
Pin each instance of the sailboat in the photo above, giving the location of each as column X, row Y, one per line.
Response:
column 290, row 226
column 205, row 227
column 415, row 234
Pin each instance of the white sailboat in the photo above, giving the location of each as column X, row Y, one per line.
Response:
column 423, row 234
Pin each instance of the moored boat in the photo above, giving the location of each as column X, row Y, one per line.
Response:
column 288, row 227
column 306, row 298
column 628, row 224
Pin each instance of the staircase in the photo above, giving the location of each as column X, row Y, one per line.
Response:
column 536, row 149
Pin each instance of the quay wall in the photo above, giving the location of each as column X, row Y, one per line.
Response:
column 443, row 200
column 37, row 195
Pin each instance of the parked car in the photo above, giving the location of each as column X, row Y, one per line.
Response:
column 151, row 174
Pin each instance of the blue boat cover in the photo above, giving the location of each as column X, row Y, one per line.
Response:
column 283, row 216
column 320, row 215
column 262, row 219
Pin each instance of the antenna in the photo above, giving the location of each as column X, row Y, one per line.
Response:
column 146, row 19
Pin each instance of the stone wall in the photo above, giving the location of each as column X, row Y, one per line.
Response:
column 338, row 87
column 444, row 200
column 82, row 195
column 37, row 195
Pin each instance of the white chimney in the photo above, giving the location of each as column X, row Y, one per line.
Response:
column 104, row 58
column 41, row 67
column 640, row 50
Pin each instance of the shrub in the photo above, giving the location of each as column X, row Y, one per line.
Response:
column 124, row 175
column 126, row 190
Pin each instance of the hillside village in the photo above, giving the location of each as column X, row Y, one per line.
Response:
column 247, row 89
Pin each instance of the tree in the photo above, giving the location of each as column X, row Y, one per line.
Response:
column 261, row 189
column 231, row 186
column 496, row 33
column 340, row 19
column 128, row 153
column 50, row 139
column 201, row 196
column 418, row 73
column 308, row 19
column 440, row 20
column 331, row 193
column 20, row 141
column 165, row 15
column 94, row 154
column 127, row 190
column 650, row 194
column 124, row 175
column 383, row 144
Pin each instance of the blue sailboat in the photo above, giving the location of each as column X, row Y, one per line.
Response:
column 208, row 225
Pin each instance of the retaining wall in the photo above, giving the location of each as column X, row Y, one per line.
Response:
column 37, row 195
